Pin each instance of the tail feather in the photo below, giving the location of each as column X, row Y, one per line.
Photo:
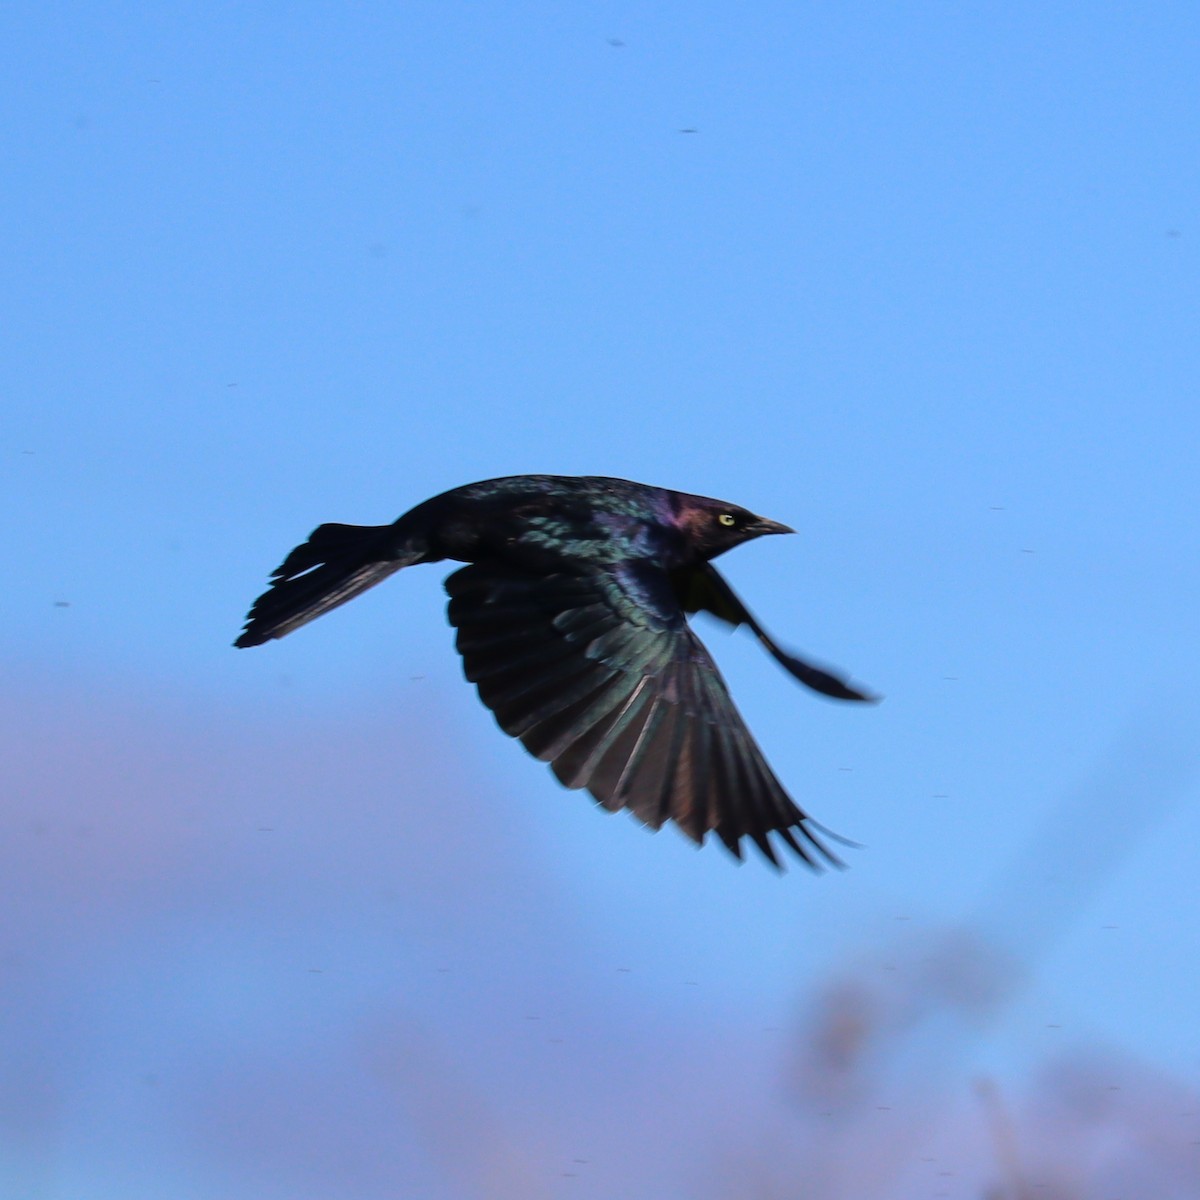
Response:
column 333, row 566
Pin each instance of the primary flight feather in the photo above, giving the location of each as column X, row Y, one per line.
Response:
column 571, row 619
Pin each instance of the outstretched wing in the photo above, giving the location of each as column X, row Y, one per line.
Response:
column 703, row 589
column 598, row 674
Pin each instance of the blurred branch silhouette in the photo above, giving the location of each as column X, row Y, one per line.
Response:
column 875, row 1068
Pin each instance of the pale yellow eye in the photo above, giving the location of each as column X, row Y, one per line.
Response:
column 727, row 519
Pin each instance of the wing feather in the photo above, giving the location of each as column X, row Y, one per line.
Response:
column 598, row 673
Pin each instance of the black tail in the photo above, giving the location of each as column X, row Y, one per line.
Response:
column 333, row 566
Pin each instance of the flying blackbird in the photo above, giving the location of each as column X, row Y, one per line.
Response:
column 571, row 620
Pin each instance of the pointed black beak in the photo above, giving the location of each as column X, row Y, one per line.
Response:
column 761, row 526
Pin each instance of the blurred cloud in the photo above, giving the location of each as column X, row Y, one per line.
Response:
column 235, row 964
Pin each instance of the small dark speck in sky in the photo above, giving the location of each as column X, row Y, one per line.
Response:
column 1174, row 233
column 616, row 43
column 690, row 129
column 62, row 604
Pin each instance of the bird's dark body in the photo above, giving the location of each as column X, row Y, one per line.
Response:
column 571, row 620
column 540, row 520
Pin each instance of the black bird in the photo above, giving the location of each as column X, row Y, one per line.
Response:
column 571, row 620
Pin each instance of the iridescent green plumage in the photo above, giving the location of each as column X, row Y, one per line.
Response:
column 571, row 621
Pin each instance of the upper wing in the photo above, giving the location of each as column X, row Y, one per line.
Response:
column 600, row 675
column 704, row 589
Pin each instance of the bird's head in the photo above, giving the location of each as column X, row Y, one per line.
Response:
column 714, row 526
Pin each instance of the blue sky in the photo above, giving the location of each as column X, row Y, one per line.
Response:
column 919, row 280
